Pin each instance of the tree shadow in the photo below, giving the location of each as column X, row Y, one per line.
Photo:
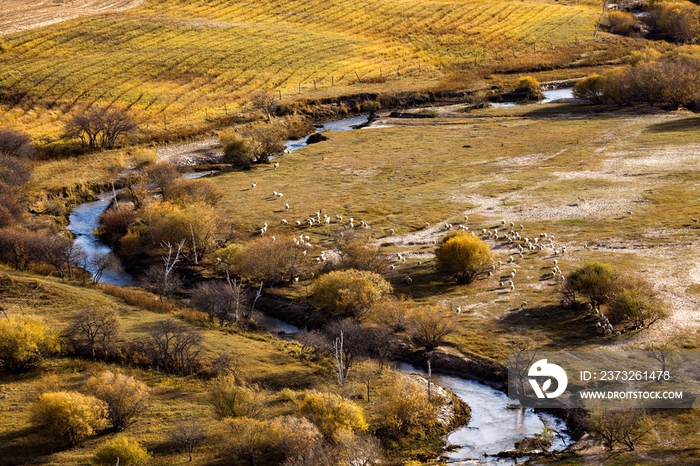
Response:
column 564, row 326
column 685, row 124
column 18, row 445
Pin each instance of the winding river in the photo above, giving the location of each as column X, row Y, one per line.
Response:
column 493, row 426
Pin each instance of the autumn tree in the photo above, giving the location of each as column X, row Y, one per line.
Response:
column 122, row 451
column 404, row 408
column 251, row 440
column 25, row 341
column 229, row 399
column 595, row 280
column 591, row 88
column 349, row 293
column 357, row 252
column 332, row 413
column 267, row 139
column 200, row 191
column 429, row 325
column 463, row 256
column 239, row 152
column 124, row 396
column 93, row 331
column 162, row 175
column 272, row 262
column 392, row 312
column 68, row 415
column 636, row 302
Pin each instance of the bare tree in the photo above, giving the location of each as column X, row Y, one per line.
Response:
column 101, row 126
column 173, row 347
column 189, row 435
column 342, row 367
column 163, row 175
column 266, row 102
column 268, row 141
column 219, row 300
column 16, row 144
column 521, row 355
column 93, row 331
column 626, row 426
column 165, row 280
column 102, row 263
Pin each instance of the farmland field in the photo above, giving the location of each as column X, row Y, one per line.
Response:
column 177, row 63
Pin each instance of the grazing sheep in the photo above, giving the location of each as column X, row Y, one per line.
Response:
column 408, row 279
column 523, row 305
column 695, row 220
column 500, row 284
column 391, row 231
column 392, row 267
column 280, row 194
column 254, row 184
column 629, row 212
column 286, row 206
column 466, row 217
column 503, row 222
column 276, row 165
column 512, row 224
column 306, row 237
column 459, row 309
column 298, row 223
column 512, row 287
column 512, row 274
column 522, row 227
column 426, row 224
column 283, row 222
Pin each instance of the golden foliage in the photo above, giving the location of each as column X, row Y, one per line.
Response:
column 69, row 415
column 463, row 256
column 24, row 342
column 332, row 413
column 429, row 325
column 349, row 293
column 125, row 396
column 404, row 409
column 231, row 400
column 122, row 451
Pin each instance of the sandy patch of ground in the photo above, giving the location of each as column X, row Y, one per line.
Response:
column 20, row 15
column 191, row 153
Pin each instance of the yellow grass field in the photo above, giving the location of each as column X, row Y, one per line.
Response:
column 176, row 63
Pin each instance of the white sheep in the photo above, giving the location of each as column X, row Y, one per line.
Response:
column 286, row 206
column 523, row 305
column 254, row 184
column 408, row 279
column 391, row 231
column 276, row 165
column 284, row 222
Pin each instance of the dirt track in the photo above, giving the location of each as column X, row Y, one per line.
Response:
column 20, row 15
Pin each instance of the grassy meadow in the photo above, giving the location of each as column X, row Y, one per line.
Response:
column 576, row 180
column 175, row 64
